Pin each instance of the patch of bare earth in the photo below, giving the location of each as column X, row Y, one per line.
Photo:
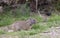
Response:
column 53, row 32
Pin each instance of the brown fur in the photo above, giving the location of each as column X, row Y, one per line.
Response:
column 22, row 25
column 19, row 25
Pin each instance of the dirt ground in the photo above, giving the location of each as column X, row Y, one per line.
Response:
column 53, row 32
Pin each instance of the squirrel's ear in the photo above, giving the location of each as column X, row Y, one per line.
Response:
column 27, row 20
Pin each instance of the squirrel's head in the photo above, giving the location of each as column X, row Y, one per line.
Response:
column 31, row 21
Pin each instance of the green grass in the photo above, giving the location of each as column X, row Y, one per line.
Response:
column 9, row 18
column 37, row 28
